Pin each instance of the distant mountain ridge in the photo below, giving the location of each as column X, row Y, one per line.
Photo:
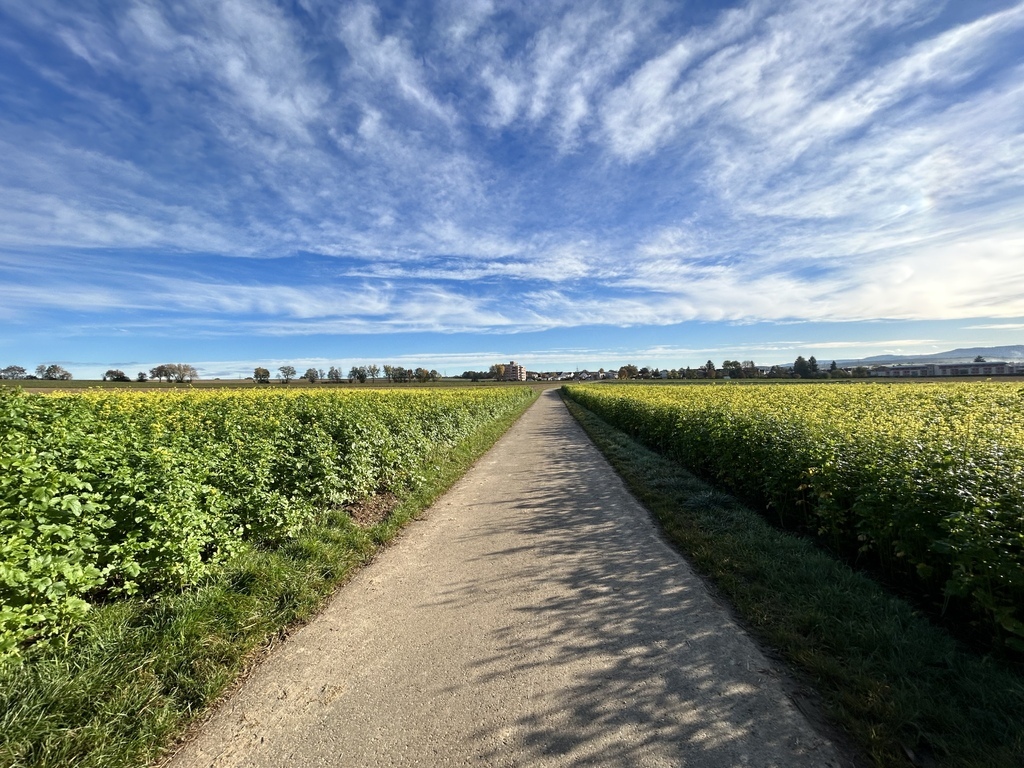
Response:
column 1007, row 354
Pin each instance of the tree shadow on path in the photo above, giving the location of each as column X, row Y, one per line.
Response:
column 624, row 656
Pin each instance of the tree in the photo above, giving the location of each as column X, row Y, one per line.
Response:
column 160, row 373
column 750, row 370
column 833, row 367
column 357, row 372
column 115, row 375
column 979, row 359
column 373, row 372
column 140, row 376
column 801, row 368
column 497, row 371
column 311, row 375
column 53, row 373
column 13, row 372
column 628, row 371
column 261, row 376
column 181, row 372
column 709, row 370
column 287, row 373
column 399, row 374
column 812, row 363
column 733, row 369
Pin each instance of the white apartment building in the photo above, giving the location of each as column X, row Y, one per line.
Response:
column 514, row 372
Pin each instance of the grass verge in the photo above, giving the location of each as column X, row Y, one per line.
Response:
column 139, row 672
column 902, row 688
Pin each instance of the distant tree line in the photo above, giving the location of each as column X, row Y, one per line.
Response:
column 13, row 372
column 179, row 373
column 357, row 373
column 476, row 375
column 809, row 369
column 50, row 372
column 399, row 374
column 496, row 372
column 747, row 369
column 171, row 372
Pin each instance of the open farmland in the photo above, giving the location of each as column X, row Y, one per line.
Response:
column 513, row 595
column 109, row 493
column 925, row 481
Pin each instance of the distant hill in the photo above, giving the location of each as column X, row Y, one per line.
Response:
column 1009, row 354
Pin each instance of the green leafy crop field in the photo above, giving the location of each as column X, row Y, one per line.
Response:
column 924, row 482
column 118, row 492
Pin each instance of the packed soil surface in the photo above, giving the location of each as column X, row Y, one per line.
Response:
column 534, row 616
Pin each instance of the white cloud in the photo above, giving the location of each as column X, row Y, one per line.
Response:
column 463, row 18
column 782, row 162
column 995, row 327
column 251, row 49
column 557, row 78
column 52, row 221
column 507, row 97
column 388, row 60
column 659, row 100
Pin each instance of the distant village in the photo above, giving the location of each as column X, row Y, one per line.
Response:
column 799, row 369
column 512, row 371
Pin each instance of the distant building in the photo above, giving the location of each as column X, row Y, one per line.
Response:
column 949, row 369
column 514, row 372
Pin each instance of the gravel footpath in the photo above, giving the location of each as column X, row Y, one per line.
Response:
column 532, row 617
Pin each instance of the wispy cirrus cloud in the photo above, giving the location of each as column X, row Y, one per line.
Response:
column 389, row 60
column 995, row 327
column 496, row 167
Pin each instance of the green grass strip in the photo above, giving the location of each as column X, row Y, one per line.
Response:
column 140, row 671
column 902, row 688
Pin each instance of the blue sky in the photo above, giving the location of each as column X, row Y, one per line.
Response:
column 234, row 183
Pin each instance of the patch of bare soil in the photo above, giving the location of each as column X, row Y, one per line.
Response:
column 369, row 512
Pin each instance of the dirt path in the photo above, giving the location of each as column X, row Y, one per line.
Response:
column 533, row 617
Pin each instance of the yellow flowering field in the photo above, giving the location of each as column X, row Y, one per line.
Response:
column 925, row 479
column 112, row 492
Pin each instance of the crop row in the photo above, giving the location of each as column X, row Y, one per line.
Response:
column 116, row 492
column 925, row 479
